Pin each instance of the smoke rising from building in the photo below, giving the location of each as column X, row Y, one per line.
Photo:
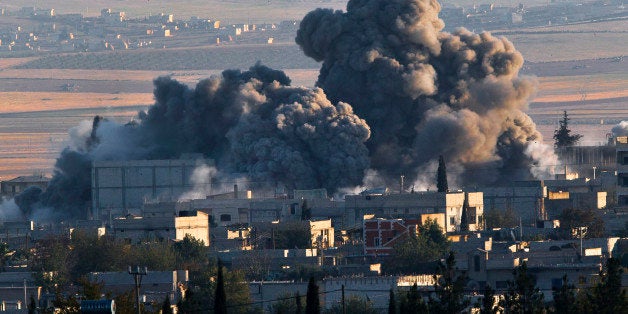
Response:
column 621, row 129
column 249, row 122
column 425, row 92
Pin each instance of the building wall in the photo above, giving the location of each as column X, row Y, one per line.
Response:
column 622, row 172
column 412, row 205
column 120, row 186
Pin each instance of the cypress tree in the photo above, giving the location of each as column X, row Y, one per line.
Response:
column 312, row 305
column 565, row 298
column 165, row 307
column 220, row 299
column 608, row 295
column 563, row 136
column 441, row 176
column 299, row 306
column 392, row 305
column 464, row 220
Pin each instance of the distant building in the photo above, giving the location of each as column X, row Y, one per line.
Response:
column 413, row 205
column 15, row 186
column 136, row 229
column 120, row 187
column 156, row 285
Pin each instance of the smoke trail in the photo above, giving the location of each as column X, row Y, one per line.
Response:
column 250, row 122
column 201, row 179
column 425, row 92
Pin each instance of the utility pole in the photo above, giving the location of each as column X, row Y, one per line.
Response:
column 344, row 310
column 137, row 273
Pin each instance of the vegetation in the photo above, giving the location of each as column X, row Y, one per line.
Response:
column 498, row 218
column 312, row 303
column 220, row 298
column 522, row 295
column 573, row 219
column 416, row 250
column 292, row 235
column 412, row 302
column 449, row 288
column 562, row 136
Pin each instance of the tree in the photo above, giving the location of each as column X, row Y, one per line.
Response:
column 564, row 298
column 415, row 250
column 293, row 235
column 354, row 305
column 190, row 254
column 392, row 304
column 32, row 305
column 608, row 296
column 449, row 288
column 573, row 218
column 306, row 211
column 220, row 299
column 298, row 302
column 562, row 135
column 522, row 295
column 412, row 302
column 312, row 304
column 166, row 308
column 464, row 220
column 441, row 175
column 488, row 305
column 498, row 218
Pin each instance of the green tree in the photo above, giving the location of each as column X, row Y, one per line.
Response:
column 392, row 304
column 354, row 305
column 312, row 303
column 288, row 303
column 522, row 295
column 306, row 211
column 220, row 298
column 91, row 290
column 32, row 305
column 488, row 305
column 449, row 288
column 573, row 218
column 412, row 302
column 190, row 254
column 293, row 235
column 415, row 250
column 564, row 298
column 298, row 302
column 608, row 296
column 441, row 175
column 166, row 307
column 562, row 135
column 499, row 218
column 464, row 219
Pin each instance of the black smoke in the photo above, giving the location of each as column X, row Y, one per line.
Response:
column 425, row 92
column 249, row 122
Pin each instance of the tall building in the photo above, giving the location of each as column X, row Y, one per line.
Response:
column 120, row 187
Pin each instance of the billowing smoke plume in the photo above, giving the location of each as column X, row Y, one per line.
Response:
column 249, row 122
column 621, row 129
column 425, row 92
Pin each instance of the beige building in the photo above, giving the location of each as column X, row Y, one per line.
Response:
column 322, row 232
column 162, row 228
column 413, row 205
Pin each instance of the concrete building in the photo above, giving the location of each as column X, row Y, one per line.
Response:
column 380, row 235
column 160, row 228
column 525, row 198
column 120, row 187
column 322, row 233
column 622, row 172
column 413, row 205
column 15, row 186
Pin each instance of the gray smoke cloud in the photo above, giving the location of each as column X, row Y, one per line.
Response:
column 425, row 92
column 249, row 122
column 621, row 129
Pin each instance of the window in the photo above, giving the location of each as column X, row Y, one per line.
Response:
column 377, row 242
column 452, row 220
column 476, row 263
column 225, row 217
